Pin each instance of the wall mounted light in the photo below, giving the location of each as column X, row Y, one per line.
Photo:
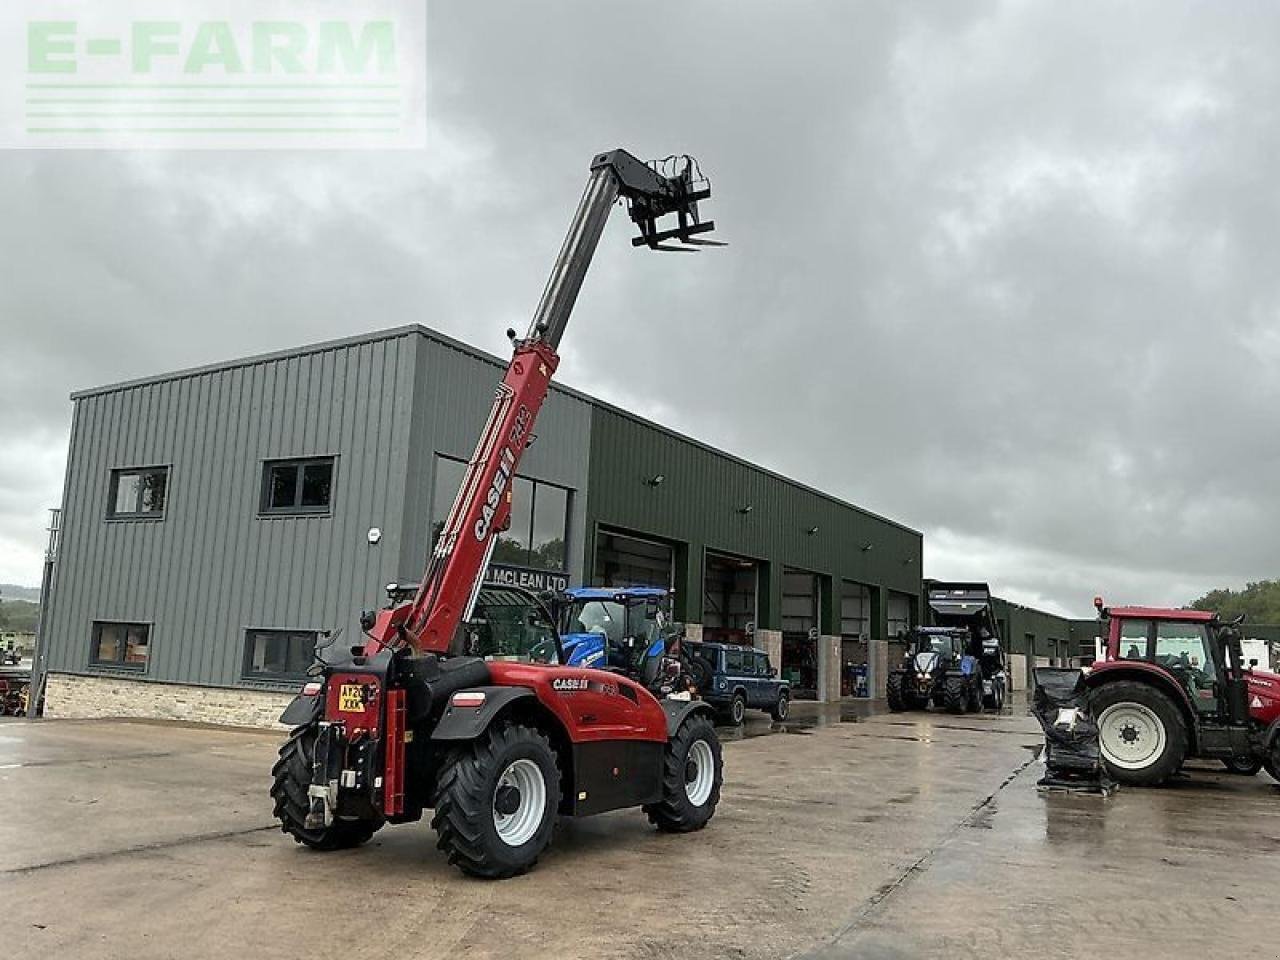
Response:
column 656, row 479
column 747, row 508
column 812, row 530
column 908, row 561
column 866, row 548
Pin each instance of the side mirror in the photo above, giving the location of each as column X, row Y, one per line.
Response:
column 774, row 673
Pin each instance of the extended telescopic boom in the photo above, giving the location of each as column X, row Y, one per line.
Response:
column 482, row 507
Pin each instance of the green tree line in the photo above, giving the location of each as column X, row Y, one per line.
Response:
column 1258, row 601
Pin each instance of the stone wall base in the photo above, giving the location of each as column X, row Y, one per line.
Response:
column 72, row 697
column 829, row 651
column 770, row 641
column 877, row 668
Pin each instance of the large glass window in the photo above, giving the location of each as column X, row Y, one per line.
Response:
column 550, row 521
column 1183, row 650
column 513, row 542
column 138, row 494
column 539, row 518
column 1133, row 639
column 505, row 626
column 297, row 486
column 278, row 654
column 124, row 646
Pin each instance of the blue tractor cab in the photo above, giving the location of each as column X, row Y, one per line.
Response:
column 614, row 627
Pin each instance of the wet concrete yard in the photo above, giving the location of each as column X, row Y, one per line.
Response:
column 870, row 835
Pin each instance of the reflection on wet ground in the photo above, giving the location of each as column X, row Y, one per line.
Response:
column 808, row 715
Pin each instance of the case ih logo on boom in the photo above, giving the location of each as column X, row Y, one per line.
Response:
column 501, row 479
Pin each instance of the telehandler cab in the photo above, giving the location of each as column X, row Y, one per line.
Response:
column 432, row 712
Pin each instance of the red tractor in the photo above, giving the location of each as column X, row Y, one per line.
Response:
column 462, row 704
column 1171, row 686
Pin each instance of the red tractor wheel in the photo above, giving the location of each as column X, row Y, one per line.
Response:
column 1141, row 732
column 291, row 778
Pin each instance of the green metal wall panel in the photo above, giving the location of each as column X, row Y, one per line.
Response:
column 700, row 500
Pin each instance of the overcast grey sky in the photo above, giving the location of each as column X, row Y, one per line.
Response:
column 1006, row 272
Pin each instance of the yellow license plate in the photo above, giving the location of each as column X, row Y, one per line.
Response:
column 351, row 698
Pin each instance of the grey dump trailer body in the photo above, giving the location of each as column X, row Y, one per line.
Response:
column 968, row 605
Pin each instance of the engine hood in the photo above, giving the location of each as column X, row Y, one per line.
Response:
column 926, row 661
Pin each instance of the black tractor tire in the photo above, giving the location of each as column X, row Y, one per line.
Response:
column 1243, row 766
column 738, row 709
column 1167, row 763
column 681, row 771
column 781, row 707
column 975, row 693
column 291, row 776
column 994, row 701
column 468, row 792
column 895, row 693
column 1271, row 761
column 955, row 694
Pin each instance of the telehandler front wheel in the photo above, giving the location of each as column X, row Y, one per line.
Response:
column 291, row 776
column 496, row 802
column 692, row 774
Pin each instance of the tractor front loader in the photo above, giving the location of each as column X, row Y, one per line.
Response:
column 498, row 739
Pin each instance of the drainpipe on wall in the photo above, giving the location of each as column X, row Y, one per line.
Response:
column 39, row 669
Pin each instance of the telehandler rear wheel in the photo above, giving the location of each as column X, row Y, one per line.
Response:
column 692, row 773
column 496, row 802
column 291, row 778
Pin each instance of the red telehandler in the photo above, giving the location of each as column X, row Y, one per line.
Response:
column 476, row 716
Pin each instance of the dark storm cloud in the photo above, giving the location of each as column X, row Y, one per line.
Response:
column 1006, row 272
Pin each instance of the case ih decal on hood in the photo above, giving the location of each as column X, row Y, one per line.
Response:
column 564, row 685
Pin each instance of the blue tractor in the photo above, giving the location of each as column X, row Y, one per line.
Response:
column 626, row 629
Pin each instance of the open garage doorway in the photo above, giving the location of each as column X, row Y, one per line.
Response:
column 801, row 599
column 729, row 589
column 624, row 560
column 855, row 634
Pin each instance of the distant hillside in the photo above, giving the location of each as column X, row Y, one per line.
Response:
column 18, row 616
column 11, row 591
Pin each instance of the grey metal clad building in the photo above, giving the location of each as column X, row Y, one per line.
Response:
column 215, row 519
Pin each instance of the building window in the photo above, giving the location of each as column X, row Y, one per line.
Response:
column 123, row 646
column 138, row 493
column 278, row 654
column 297, row 486
column 539, row 518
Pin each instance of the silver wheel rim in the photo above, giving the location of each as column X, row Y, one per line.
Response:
column 698, row 787
column 1132, row 736
column 782, row 708
column 739, row 709
column 521, row 824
